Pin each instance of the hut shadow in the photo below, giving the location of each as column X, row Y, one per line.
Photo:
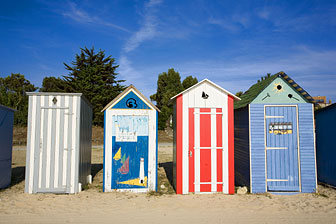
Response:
column 18, row 175
column 168, row 168
column 96, row 168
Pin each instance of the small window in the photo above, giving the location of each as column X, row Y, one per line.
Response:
column 280, row 128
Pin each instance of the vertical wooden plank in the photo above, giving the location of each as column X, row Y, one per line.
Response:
column 197, row 151
column 179, row 144
column 219, row 151
column 205, row 153
column 185, row 147
column 213, row 150
column 231, row 144
column 191, row 150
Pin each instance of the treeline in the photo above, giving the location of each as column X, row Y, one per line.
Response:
column 94, row 75
column 168, row 85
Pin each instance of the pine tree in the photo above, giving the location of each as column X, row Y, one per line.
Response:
column 94, row 75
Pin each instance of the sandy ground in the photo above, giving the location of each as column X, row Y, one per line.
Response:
column 94, row 206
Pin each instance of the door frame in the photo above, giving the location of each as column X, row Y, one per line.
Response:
column 298, row 141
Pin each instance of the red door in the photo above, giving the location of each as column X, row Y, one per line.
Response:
column 205, row 150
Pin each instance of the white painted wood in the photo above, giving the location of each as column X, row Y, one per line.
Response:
column 41, row 141
column 185, row 144
column 225, row 144
column 108, row 149
column 65, row 137
column 151, row 150
column 197, row 152
column 73, row 142
column 47, row 184
column 32, row 143
column 57, row 143
column 213, row 152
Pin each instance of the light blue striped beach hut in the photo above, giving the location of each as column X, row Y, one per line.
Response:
column 275, row 138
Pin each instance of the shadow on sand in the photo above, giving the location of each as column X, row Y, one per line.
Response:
column 168, row 168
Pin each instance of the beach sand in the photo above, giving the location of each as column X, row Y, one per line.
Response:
column 94, row 206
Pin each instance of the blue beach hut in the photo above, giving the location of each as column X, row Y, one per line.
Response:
column 325, row 119
column 6, row 141
column 274, row 137
column 130, row 143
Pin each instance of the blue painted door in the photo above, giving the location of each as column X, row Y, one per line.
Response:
column 282, row 149
column 129, row 152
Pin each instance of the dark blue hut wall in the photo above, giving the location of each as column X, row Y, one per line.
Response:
column 326, row 145
column 6, row 140
column 307, row 148
column 257, row 148
column 242, row 150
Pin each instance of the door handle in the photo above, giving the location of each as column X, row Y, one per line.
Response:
column 190, row 153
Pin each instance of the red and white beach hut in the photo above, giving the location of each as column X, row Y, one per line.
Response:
column 204, row 139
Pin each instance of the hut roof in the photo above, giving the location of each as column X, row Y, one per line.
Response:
column 257, row 88
column 125, row 92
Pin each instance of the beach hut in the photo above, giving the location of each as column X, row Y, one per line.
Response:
column 130, row 143
column 275, row 138
column 58, row 143
column 6, row 141
column 203, row 139
column 325, row 119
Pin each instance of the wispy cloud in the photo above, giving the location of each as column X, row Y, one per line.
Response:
column 309, row 67
column 147, row 29
column 81, row 16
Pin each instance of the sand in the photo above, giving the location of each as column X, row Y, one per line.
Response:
column 94, row 206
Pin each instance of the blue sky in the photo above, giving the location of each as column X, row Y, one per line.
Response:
column 232, row 43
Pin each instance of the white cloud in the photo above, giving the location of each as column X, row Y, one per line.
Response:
column 147, row 29
column 81, row 16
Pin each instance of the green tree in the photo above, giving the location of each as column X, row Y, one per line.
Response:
column 168, row 85
column 189, row 81
column 94, row 75
column 53, row 84
column 13, row 94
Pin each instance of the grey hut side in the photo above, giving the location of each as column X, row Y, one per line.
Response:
column 58, row 143
column 6, row 140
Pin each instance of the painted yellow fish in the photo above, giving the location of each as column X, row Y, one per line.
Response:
column 135, row 182
column 117, row 156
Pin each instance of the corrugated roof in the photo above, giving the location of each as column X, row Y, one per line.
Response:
column 126, row 91
column 257, row 88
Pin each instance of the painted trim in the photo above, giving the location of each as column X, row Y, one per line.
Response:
column 179, row 144
column 314, row 133
column 298, row 144
column 191, row 150
column 125, row 92
column 249, row 117
column 265, row 151
column 231, row 144
column 157, row 152
column 104, row 151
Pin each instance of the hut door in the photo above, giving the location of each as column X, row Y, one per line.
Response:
column 205, row 150
column 282, row 163
column 129, row 151
column 53, row 156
